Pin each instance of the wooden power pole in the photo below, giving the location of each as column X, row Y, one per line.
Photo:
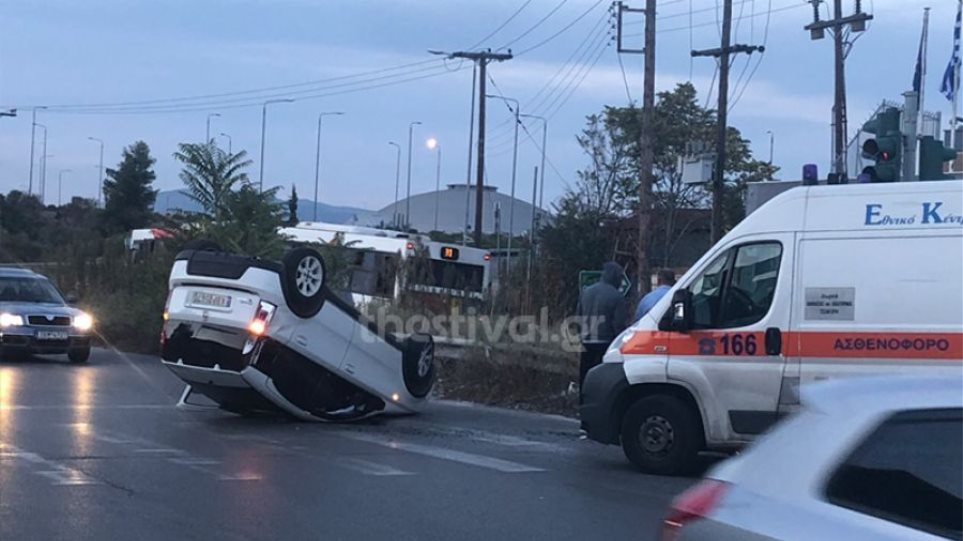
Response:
column 722, row 53
column 482, row 58
column 817, row 30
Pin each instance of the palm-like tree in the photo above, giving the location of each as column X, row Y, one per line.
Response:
column 210, row 174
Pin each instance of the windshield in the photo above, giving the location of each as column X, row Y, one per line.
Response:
column 21, row 289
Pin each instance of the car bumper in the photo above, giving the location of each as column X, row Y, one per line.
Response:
column 604, row 386
column 29, row 343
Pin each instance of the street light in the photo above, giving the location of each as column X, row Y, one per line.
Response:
column 411, row 126
column 207, row 137
column 772, row 144
column 230, row 143
column 33, row 138
column 433, row 144
column 541, row 180
column 43, row 163
column 60, row 185
column 394, row 217
column 260, row 178
column 511, row 204
column 100, row 169
column 317, row 159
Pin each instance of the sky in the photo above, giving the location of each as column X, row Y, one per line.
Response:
column 65, row 54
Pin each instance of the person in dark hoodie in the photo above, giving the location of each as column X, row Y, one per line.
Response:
column 602, row 313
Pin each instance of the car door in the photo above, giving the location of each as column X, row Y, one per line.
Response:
column 737, row 300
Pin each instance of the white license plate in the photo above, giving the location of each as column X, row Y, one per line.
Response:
column 214, row 300
column 51, row 335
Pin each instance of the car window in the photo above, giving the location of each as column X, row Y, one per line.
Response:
column 752, row 286
column 24, row 289
column 737, row 288
column 908, row 471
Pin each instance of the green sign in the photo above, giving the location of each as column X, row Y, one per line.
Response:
column 587, row 278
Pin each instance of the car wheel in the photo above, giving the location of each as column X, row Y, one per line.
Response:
column 661, row 435
column 418, row 364
column 202, row 245
column 79, row 355
column 303, row 280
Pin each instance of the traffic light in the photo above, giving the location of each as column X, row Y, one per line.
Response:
column 932, row 156
column 886, row 148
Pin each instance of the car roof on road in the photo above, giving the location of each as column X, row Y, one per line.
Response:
column 884, row 393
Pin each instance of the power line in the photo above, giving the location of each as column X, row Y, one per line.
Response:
column 188, row 109
column 503, row 25
column 710, row 23
column 765, row 40
column 242, row 92
column 579, row 83
column 534, row 26
column 628, row 93
column 562, row 30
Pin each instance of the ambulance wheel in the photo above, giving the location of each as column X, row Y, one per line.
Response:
column 303, row 278
column 418, row 364
column 202, row 245
column 661, row 435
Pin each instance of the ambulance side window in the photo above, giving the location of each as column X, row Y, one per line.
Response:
column 707, row 293
column 737, row 288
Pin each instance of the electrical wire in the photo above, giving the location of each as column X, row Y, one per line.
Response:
column 562, row 30
column 202, row 97
column 706, row 24
column 765, row 39
column 534, row 26
column 579, row 83
column 501, row 26
column 628, row 93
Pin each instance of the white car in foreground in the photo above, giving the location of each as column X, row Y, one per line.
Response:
column 254, row 335
column 876, row 459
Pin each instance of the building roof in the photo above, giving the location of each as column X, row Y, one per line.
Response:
column 451, row 203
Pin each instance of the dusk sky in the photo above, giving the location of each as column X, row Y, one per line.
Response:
column 59, row 52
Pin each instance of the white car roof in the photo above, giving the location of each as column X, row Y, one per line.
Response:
column 884, row 393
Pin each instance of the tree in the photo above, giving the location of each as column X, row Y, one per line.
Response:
column 128, row 195
column 293, row 207
column 210, row 174
column 249, row 223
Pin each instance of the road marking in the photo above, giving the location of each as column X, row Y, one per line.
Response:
column 58, row 473
column 177, row 456
column 505, row 466
column 368, row 467
column 85, row 407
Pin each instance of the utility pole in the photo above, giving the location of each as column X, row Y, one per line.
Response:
column 33, row 138
column 481, row 58
column 722, row 53
column 841, row 48
column 317, row 160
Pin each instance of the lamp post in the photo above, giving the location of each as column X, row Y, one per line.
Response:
column 230, row 143
column 260, row 177
column 43, row 162
column 317, row 160
column 60, row 185
column 33, row 138
column 511, row 204
column 433, row 144
column 207, row 137
column 772, row 144
column 394, row 217
column 100, row 169
column 541, row 180
column 411, row 126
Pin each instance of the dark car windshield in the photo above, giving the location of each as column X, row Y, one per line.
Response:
column 25, row 289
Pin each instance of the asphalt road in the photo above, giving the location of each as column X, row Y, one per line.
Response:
column 100, row 452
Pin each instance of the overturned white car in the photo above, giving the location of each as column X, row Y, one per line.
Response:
column 257, row 335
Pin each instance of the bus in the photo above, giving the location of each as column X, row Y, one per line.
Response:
column 376, row 255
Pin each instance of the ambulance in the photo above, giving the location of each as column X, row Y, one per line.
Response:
column 821, row 282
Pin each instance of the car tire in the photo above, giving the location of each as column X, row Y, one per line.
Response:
column 418, row 364
column 202, row 245
column 303, row 279
column 662, row 435
column 79, row 355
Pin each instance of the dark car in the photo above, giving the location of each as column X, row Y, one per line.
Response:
column 35, row 318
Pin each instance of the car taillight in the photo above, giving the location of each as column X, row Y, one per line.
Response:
column 262, row 316
column 692, row 504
